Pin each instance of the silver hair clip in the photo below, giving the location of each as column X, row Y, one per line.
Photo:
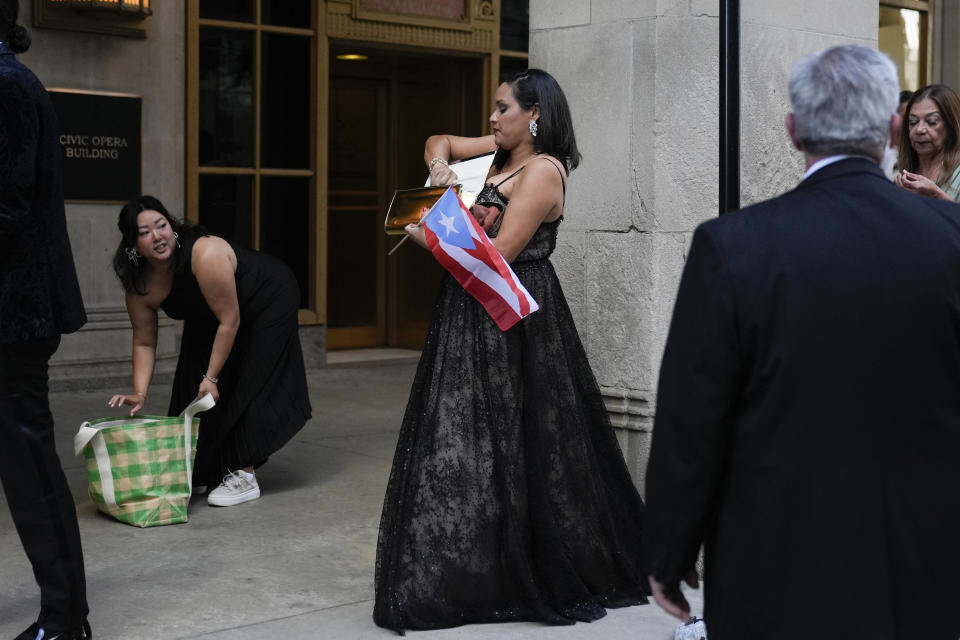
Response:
column 132, row 255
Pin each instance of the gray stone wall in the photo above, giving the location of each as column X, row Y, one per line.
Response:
column 153, row 68
column 774, row 34
column 642, row 79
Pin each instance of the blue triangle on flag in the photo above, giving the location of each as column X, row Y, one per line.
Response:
column 446, row 220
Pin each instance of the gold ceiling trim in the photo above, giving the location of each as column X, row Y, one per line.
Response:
column 477, row 32
column 111, row 17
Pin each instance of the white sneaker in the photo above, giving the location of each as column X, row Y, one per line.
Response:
column 237, row 487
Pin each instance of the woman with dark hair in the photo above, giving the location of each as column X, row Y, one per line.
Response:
column 240, row 341
column 509, row 498
column 541, row 113
column 929, row 156
column 40, row 301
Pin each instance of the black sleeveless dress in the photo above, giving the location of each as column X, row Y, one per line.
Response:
column 263, row 385
column 509, row 499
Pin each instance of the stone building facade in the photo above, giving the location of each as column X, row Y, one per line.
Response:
column 642, row 80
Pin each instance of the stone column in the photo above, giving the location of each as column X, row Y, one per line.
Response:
column 642, row 79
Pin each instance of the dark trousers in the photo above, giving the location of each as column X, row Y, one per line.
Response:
column 36, row 489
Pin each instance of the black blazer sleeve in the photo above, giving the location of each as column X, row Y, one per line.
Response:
column 19, row 129
column 696, row 402
column 39, row 290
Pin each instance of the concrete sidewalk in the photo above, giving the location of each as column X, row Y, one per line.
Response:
column 298, row 563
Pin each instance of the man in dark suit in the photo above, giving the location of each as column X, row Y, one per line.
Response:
column 808, row 414
column 39, row 301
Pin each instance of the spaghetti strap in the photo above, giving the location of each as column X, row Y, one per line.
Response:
column 563, row 179
column 500, row 184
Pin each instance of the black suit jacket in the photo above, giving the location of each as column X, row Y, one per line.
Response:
column 39, row 292
column 808, row 415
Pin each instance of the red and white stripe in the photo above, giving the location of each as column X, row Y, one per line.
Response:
column 482, row 271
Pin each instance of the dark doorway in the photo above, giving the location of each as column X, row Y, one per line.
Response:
column 382, row 109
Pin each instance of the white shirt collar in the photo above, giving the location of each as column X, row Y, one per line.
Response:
column 823, row 162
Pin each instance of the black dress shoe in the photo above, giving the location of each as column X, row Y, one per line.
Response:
column 30, row 633
column 36, row 632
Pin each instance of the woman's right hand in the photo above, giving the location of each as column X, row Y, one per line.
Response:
column 441, row 175
column 208, row 386
column 135, row 400
column 417, row 234
column 486, row 216
column 920, row 185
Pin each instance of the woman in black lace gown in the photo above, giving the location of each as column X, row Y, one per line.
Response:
column 509, row 499
column 240, row 341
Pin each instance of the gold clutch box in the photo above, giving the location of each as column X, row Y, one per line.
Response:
column 408, row 206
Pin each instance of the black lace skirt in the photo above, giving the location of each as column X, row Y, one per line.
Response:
column 509, row 498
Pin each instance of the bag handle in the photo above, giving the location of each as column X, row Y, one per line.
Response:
column 201, row 404
column 87, row 431
column 84, row 435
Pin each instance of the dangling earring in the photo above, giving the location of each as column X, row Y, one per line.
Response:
column 533, row 128
column 176, row 236
column 132, row 255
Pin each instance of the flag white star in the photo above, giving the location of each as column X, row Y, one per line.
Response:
column 449, row 222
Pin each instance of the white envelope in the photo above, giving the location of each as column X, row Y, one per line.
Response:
column 471, row 174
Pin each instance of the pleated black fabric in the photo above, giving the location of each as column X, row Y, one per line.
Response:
column 263, row 385
column 509, row 498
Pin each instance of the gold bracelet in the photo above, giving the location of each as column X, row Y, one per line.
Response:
column 213, row 380
column 435, row 161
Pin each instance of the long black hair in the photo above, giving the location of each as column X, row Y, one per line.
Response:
column 535, row 87
column 13, row 34
column 130, row 271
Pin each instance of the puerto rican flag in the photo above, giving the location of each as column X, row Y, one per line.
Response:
column 461, row 246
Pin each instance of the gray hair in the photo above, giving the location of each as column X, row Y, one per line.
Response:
column 843, row 98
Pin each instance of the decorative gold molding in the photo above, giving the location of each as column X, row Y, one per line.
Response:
column 346, row 19
column 360, row 13
column 485, row 10
column 48, row 16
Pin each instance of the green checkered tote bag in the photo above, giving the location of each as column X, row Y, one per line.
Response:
column 140, row 469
